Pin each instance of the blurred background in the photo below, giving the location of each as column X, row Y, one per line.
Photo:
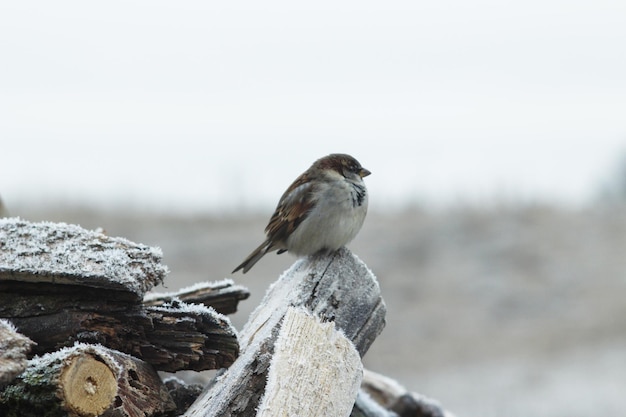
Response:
column 495, row 132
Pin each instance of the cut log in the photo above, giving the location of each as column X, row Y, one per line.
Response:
column 223, row 296
column 86, row 381
column 336, row 287
column 315, row 371
column 66, row 254
column 14, row 349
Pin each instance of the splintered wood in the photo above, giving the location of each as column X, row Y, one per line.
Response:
column 310, row 358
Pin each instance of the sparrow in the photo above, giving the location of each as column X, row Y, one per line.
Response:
column 322, row 210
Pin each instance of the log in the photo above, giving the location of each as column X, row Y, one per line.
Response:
column 86, row 381
column 315, row 371
column 337, row 287
column 172, row 337
column 14, row 348
column 64, row 254
column 223, row 296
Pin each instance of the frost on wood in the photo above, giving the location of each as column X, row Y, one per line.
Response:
column 315, row 370
column 86, row 380
column 223, row 296
column 60, row 253
column 60, row 284
column 336, row 287
column 13, row 350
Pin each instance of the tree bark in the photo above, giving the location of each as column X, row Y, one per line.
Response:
column 171, row 337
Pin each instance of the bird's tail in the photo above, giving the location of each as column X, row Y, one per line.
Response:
column 255, row 256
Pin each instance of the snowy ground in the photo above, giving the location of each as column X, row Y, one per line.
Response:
column 501, row 311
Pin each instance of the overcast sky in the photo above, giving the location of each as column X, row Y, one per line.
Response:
column 208, row 105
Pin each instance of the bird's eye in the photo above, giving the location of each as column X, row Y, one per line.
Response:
column 350, row 168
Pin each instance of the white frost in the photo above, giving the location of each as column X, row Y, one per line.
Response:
column 199, row 286
column 64, row 253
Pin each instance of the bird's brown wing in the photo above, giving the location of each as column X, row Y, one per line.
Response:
column 292, row 208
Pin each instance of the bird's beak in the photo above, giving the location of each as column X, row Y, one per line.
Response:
column 364, row 173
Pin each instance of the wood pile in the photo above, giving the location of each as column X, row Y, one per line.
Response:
column 79, row 301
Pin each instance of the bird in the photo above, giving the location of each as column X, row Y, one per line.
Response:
column 322, row 210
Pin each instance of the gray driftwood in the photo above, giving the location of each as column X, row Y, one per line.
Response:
column 336, row 287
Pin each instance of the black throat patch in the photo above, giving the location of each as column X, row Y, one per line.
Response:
column 358, row 195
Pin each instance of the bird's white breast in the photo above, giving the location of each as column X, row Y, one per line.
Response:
column 333, row 222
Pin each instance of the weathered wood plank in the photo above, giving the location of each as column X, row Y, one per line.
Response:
column 336, row 287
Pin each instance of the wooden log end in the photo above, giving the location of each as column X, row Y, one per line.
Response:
column 86, row 381
column 87, row 386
